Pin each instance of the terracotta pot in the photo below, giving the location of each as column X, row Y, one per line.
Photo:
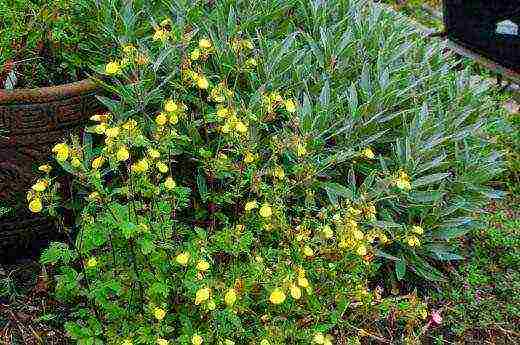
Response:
column 33, row 120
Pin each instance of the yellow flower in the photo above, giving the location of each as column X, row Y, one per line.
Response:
column 277, row 296
column 91, row 263
column 141, row 166
column 327, row 341
column 153, row 153
column 163, row 168
column 301, row 150
column 130, row 124
column 222, row 112
column 202, row 295
column 161, row 341
column 98, row 162
column 170, row 106
column 112, row 68
column 327, row 232
column 249, row 157
column 160, row 34
column 204, row 43
column 112, row 132
column 403, row 181
column 122, row 154
column 318, row 338
column 417, row 229
column 202, row 82
column 159, row 313
column 161, row 119
column 368, row 153
column 251, row 62
column 296, row 292
column 183, row 258
column 265, row 211
column 290, row 106
column 173, row 119
column 362, row 250
column 75, row 162
column 279, row 172
column 127, row 342
column 241, row 127
column 203, row 265
column 128, row 48
column 62, row 152
column 211, row 305
column 230, row 297
column 196, row 339
column 46, row 168
column 303, row 282
column 265, row 342
column 358, row 235
column 413, row 241
column 169, row 183
column 307, row 251
column 40, row 186
column 195, row 54
column 100, row 129
column 35, row 205
column 250, row 205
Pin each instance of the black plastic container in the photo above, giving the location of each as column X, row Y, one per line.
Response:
column 490, row 28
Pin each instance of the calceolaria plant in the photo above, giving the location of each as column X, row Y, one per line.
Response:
column 227, row 197
column 203, row 219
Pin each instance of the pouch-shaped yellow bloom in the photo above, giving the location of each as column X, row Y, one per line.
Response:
column 112, row 68
column 62, row 152
column 303, row 282
column 161, row 341
column 296, row 292
column 327, row 232
column 170, row 106
column 204, row 43
column 91, row 263
column 279, row 172
column 290, row 106
column 173, row 119
column 100, row 129
column 230, row 297
column 159, row 313
column 40, row 186
column 202, row 82
column 127, row 342
column 358, row 235
column 112, row 132
column 122, row 154
column 368, row 153
column 35, row 205
column 98, row 162
column 265, row 342
column 162, row 167
column 265, row 211
column 153, row 153
column 250, row 205
column 182, row 258
column 249, row 157
column 203, row 265
column 161, row 119
column 46, row 168
column 141, row 166
column 195, row 54
column 222, row 112
column 277, row 296
column 413, row 241
column 417, row 229
column 75, row 162
column 169, row 183
column 307, row 251
column 196, row 339
column 318, row 338
column 160, row 35
column 361, row 250
column 202, row 295
column 240, row 127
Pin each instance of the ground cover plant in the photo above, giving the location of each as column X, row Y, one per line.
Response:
column 247, row 183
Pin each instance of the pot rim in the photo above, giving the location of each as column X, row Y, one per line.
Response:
column 48, row 93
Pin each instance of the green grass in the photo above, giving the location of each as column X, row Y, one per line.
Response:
column 481, row 300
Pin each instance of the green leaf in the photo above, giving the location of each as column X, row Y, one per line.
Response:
column 400, row 269
column 335, row 190
column 430, row 179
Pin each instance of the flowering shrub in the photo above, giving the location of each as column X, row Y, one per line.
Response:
column 244, row 189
